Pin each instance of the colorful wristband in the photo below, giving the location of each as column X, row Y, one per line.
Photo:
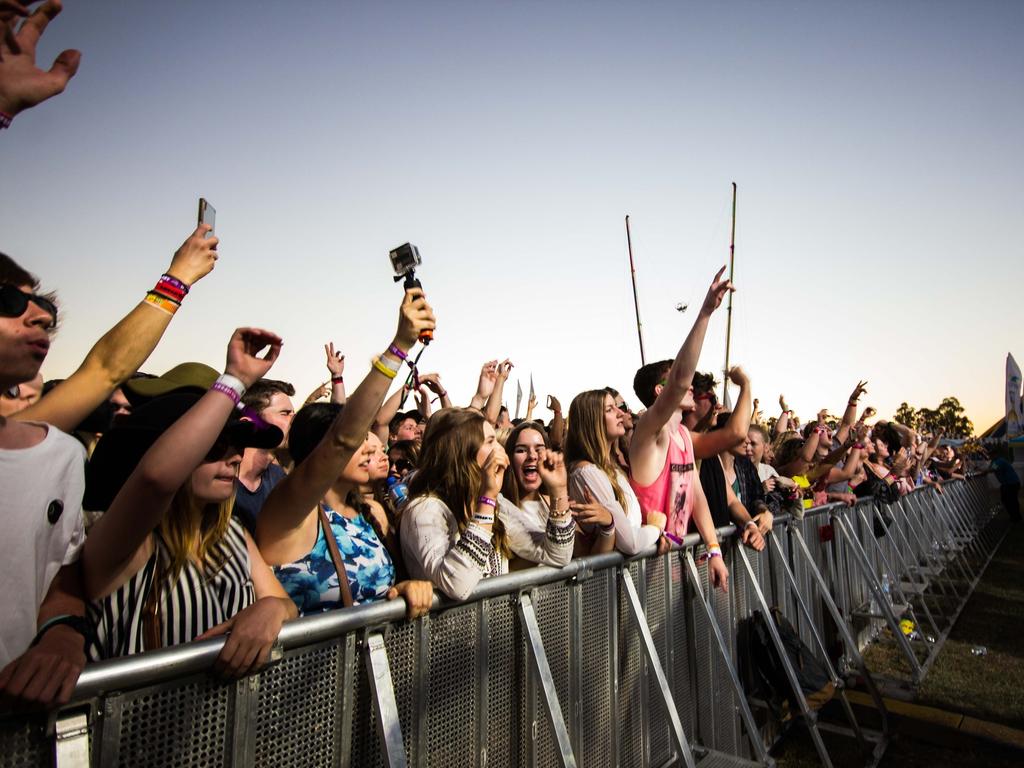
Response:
column 487, row 501
column 376, row 363
column 483, row 519
column 337, row 380
column 394, row 350
column 179, row 284
column 714, row 552
column 170, row 306
column 390, row 364
column 607, row 530
column 231, row 386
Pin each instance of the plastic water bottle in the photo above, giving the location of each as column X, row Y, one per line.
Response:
column 398, row 492
column 886, row 588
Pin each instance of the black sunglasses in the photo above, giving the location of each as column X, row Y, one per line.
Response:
column 14, row 302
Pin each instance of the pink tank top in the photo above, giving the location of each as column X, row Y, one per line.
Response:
column 672, row 492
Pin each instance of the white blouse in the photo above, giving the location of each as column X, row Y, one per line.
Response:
column 631, row 535
column 435, row 550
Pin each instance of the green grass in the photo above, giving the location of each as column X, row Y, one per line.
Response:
column 987, row 687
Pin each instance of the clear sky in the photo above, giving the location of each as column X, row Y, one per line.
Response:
column 877, row 147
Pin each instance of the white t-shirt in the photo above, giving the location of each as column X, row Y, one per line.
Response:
column 631, row 534
column 41, row 512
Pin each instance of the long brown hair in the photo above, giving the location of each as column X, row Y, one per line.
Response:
column 191, row 531
column 585, row 438
column 448, row 469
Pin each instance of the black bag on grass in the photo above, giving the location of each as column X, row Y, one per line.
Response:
column 767, row 677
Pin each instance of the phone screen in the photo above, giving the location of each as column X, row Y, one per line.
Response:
column 207, row 215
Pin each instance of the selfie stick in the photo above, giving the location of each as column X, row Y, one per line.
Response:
column 411, row 281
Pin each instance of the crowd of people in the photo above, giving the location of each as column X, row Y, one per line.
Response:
column 148, row 511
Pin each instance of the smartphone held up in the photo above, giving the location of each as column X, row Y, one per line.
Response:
column 207, row 215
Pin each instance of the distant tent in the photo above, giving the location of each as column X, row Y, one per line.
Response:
column 996, row 431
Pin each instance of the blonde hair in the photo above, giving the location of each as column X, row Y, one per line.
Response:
column 585, row 438
column 191, row 531
column 448, row 469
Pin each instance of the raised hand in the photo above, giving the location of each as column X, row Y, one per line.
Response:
column 433, row 382
column 822, row 415
column 869, row 412
column 738, row 376
column 22, row 83
column 488, row 376
column 552, row 472
column 716, row 293
column 782, row 403
column 504, row 369
column 10, row 12
column 493, row 472
column 196, row 257
column 243, row 350
column 414, row 317
column 553, row 405
column 335, row 360
column 859, row 390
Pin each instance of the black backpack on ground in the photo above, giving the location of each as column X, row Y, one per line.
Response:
column 764, row 674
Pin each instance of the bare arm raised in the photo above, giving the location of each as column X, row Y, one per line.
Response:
column 648, row 447
column 122, row 349
column 292, row 499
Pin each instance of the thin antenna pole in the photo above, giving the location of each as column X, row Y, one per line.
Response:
column 636, row 300
column 728, row 310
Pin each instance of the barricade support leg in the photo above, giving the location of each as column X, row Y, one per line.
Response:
column 741, row 698
column 664, row 690
column 542, row 673
column 378, row 671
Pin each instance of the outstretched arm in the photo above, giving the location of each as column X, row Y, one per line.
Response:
column 708, row 444
column 299, row 492
column 680, row 376
column 336, row 366
column 142, row 502
column 387, row 412
column 493, row 409
column 120, row 352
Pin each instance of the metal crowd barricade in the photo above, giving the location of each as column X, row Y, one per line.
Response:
column 600, row 664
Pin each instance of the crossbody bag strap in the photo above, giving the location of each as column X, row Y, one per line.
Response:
column 151, row 635
column 339, row 564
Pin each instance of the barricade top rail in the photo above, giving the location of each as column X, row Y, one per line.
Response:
column 190, row 658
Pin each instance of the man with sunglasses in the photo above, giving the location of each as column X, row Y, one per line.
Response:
column 41, row 468
column 42, row 476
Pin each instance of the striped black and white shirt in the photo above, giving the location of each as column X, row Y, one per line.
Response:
column 190, row 605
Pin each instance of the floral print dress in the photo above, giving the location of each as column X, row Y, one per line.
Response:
column 312, row 581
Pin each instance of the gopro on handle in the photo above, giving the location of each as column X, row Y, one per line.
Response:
column 404, row 260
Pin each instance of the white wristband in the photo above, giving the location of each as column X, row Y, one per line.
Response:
column 232, row 382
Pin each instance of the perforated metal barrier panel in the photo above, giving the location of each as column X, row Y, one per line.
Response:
column 464, row 692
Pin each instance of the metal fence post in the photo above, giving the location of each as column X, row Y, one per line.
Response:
column 378, row 671
column 542, row 672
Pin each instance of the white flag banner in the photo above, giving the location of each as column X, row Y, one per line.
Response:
column 532, row 395
column 1014, row 409
column 519, row 397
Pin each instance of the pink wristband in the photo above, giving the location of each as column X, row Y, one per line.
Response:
column 487, row 501
column 224, row 389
